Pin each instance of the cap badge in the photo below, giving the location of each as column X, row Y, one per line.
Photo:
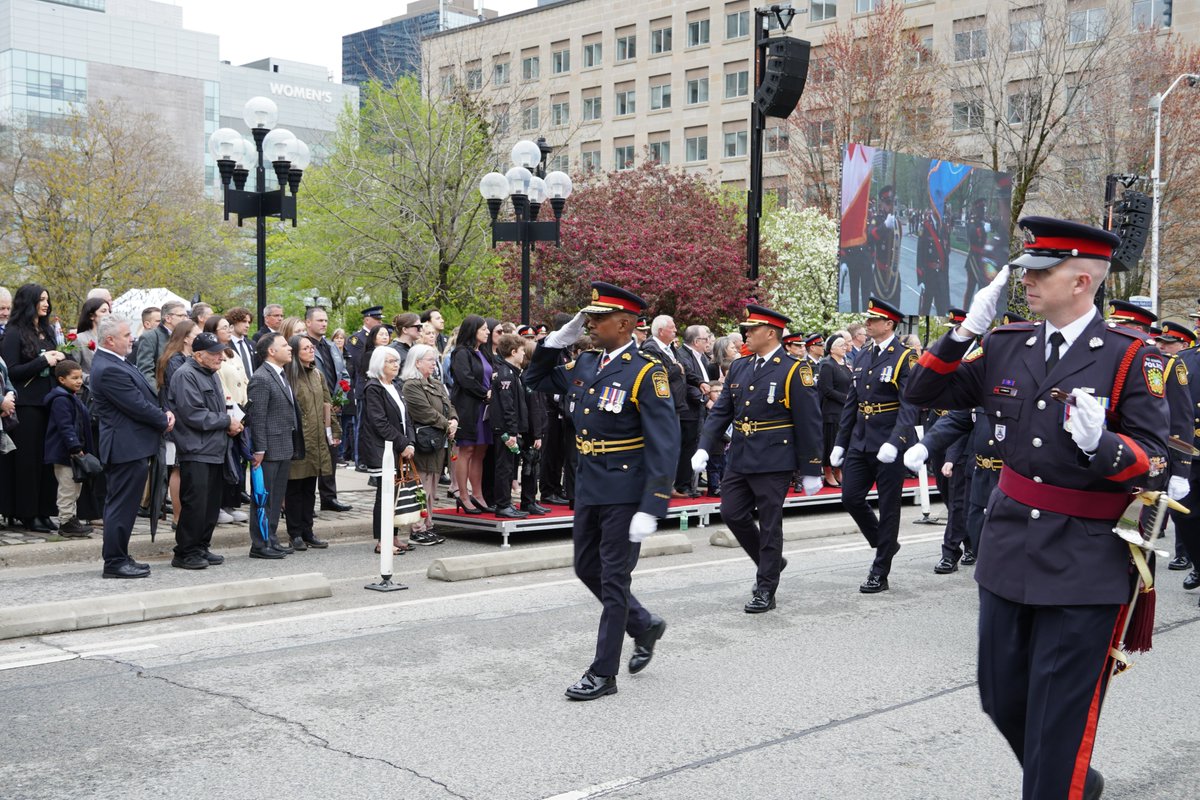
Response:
column 595, row 294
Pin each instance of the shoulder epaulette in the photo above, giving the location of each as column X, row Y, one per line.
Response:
column 1132, row 333
column 1015, row 327
column 649, row 356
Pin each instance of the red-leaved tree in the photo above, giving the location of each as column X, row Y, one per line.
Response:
column 663, row 234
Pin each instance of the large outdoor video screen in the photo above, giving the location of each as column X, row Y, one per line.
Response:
column 921, row 233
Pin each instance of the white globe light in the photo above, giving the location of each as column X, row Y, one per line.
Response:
column 249, row 158
column 493, row 186
column 299, row 154
column 518, row 180
column 276, row 144
column 260, row 112
column 537, row 190
column 225, row 143
column 558, row 184
column 526, row 154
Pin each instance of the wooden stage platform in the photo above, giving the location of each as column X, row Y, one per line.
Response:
column 695, row 512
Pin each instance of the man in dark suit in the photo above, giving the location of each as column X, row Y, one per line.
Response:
column 152, row 343
column 875, row 429
column 316, row 320
column 131, row 428
column 274, row 424
column 661, row 345
column 272, row 320
column 695, row 372
column 1054, row 580
column 771, row 400
column 628, row 442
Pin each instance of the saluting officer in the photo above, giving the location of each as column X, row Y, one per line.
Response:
column 1183, row 398
column 619, row 399
column 1054, row 578
column 771, row 400
column 876, row 426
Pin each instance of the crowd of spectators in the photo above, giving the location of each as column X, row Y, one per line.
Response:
column 298, row 400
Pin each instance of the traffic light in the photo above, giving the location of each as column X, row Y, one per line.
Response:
column 783, row 82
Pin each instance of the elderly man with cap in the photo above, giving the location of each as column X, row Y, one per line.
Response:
column 1178, row 343
column 771, row 400
column 1080, row 423
column 203, row 426
column 875, row 428
column 619, row 399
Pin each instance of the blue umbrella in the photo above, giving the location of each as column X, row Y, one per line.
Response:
column 259, row 491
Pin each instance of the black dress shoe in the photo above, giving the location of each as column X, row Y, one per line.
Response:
column 508, row 512
column 1093, row 785
column 190, row 561
column 1179, row 563
column 1192, row 581
column 535, row 509
column 35, row 525
column 143, row 512
column 714, row 492
column 643, row 645
column 265, row 552
column 760, row 602
column 334, row 505
column 126, row 570
column 874, row 584
column 591, row 686
column 969, row 558
column 315, row 543
column 298, row 543
column 245, row 498
column 286, row 549
column 212, row 558
column 360, row 468
column 945, row 567
column 555, row 500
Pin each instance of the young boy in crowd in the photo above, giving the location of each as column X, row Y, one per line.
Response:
column 68, row 433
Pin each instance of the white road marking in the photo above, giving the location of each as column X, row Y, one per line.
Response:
column 592, row 791
column 123, row 645
column 108, row 651
column 37, row 662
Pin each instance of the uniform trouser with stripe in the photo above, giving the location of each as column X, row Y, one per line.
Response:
column 1187, row 526
column 604, row 561
column 1043, row 671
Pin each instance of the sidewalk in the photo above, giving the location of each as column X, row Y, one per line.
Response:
column 19, row 548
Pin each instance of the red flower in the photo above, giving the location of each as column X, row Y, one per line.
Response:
column 72, row 337
column 91, row 344
column 344, row 385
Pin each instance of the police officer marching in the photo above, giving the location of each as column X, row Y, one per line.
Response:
column 1054, row 578
column 1178, row 342
column 627, row 436
column 771, row 400
column 876, row 426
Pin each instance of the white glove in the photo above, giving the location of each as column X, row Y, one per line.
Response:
column 984, row 304
column 890, row 222
column 811, row 484
column 915, row 456
column 641, row 526
column 836, row 456
column 567, row 335
column 699, row 460
column 1087, row 421
column 1177, row 487
column 887, row 454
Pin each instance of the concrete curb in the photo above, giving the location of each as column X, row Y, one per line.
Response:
column 724, row 537
column 509, row 562
column 82, row 551
column 98, row 612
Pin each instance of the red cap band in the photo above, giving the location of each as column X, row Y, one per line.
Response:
column 1084, row 247
column 617, row 304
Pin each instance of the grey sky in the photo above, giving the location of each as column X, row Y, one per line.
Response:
column 307, row 30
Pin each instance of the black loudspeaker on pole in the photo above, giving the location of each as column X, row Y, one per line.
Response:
column 781, row 68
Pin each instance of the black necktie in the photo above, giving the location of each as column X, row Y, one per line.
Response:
column 758, row 362
column 1056, row 341
column 245, row 353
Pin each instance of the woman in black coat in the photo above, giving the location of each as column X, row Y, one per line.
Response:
column 509, row 416
column 472, row 374
column 833, row 383
column 383, row 418
column 31, row 350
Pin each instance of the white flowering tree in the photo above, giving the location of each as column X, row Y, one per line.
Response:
column 803, row 284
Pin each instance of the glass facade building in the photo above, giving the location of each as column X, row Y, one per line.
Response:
column 394, row 47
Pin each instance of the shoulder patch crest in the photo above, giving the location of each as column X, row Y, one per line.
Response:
column 806, row 374
column 912, row 360
column 662, row 386
column 570, row 364
column 1181, row 374
column 1152, row 370
column 354, row 340
column 975, row 353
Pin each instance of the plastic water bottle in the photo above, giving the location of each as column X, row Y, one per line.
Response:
column 683, row 522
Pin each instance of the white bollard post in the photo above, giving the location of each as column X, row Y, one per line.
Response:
column 387, row 503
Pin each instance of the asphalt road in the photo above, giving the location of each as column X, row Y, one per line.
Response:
column 455, row 690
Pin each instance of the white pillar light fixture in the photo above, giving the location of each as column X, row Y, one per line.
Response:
column 260, row 112
column 1156, row 105
column 558, row 184
column 526, row 154
column 494, row 186
column 518, row 180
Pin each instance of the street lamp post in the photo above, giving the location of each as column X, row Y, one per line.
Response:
column 1156, row 104
column 236, row 157
column 527, row 191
